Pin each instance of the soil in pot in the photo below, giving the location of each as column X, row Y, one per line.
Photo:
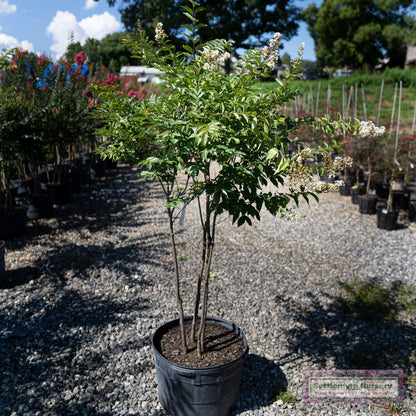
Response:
column 222, row 346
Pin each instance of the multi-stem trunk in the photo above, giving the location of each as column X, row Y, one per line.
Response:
column 198, row 286
column 367, row 190
column 177, row 283
column 209, row 228
column 202, row 325
column 390, row 197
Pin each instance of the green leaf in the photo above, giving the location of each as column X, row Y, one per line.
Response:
column 271, row 154
column 188, row 49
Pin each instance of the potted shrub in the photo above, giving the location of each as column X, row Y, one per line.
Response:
column 69, row 122
column 368, row 134
column 396, row 165
column 12, row 116
column 213, row 139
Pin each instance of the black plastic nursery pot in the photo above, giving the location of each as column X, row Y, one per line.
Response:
column 12, row 225
column 189, row 391
column 386, row 220
column 41, row 206
column 62, row 192
column 355, row 192
column 345, row 189
column 2, row 262
column 367, row 204
column 412, row 212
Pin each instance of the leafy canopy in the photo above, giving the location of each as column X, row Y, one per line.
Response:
column 244, row 22
column 229, row 139
column 358, row 33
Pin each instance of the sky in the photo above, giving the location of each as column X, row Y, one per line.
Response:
column 45, row 26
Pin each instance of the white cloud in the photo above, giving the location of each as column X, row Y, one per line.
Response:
column 90, row 4
column 99, row 25
column 64, row 23
column 7, row 42
column 6, row 8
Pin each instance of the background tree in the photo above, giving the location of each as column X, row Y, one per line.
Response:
column 244, row 21
column 114, row 53
column 91, row 48
column 358, row 33
column 73, row 48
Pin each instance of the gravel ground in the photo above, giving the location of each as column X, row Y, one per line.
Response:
column 86, row 289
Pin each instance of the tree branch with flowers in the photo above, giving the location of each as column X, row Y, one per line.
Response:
column 213, row 139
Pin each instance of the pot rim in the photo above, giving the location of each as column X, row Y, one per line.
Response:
column 175, row 322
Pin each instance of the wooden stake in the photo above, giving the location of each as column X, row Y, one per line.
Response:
column 393, row 109
column 317, row 98
column 328, row 99
column 398, row 125
column 364, row 107
column 356, row 101
column 349, row 99
column 380, row 101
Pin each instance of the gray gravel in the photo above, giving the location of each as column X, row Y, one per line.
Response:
column 87, row 288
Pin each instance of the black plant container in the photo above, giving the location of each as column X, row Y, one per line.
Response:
column 62, row 192
column 367, row 204
column 386, row 220
column 382, row 190
column 345, row 189
column 41, row 206
column 187, row 391
column 2, row 262
column 12, row 225
column 355, row 192
column 412, row 212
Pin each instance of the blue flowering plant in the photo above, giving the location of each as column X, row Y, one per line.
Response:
column 213, row 138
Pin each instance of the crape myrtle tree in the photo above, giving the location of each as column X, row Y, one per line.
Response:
column 358, row 33
column 243, row 21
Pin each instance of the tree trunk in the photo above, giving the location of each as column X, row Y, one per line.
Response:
column 177, row 283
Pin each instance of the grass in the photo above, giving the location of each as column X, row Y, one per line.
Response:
column 82, row 262
column 371, row 85
column 373, row 301
column 281, row 393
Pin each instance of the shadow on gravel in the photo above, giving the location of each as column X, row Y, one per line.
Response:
column 258, row 385
column 49, row 349
column 335, row 338
column 19, row 277
column 115, row 202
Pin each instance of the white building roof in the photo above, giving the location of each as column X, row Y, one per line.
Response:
column 138, row 71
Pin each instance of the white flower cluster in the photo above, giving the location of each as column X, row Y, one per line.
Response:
column 369, row 129
column 291, row 214
column 213, row 60
column 301, row 178
column 321, row 186
column 160, row 33
column 331, row 167
column 298, row 60
column 270, row 53
column 340, row 129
